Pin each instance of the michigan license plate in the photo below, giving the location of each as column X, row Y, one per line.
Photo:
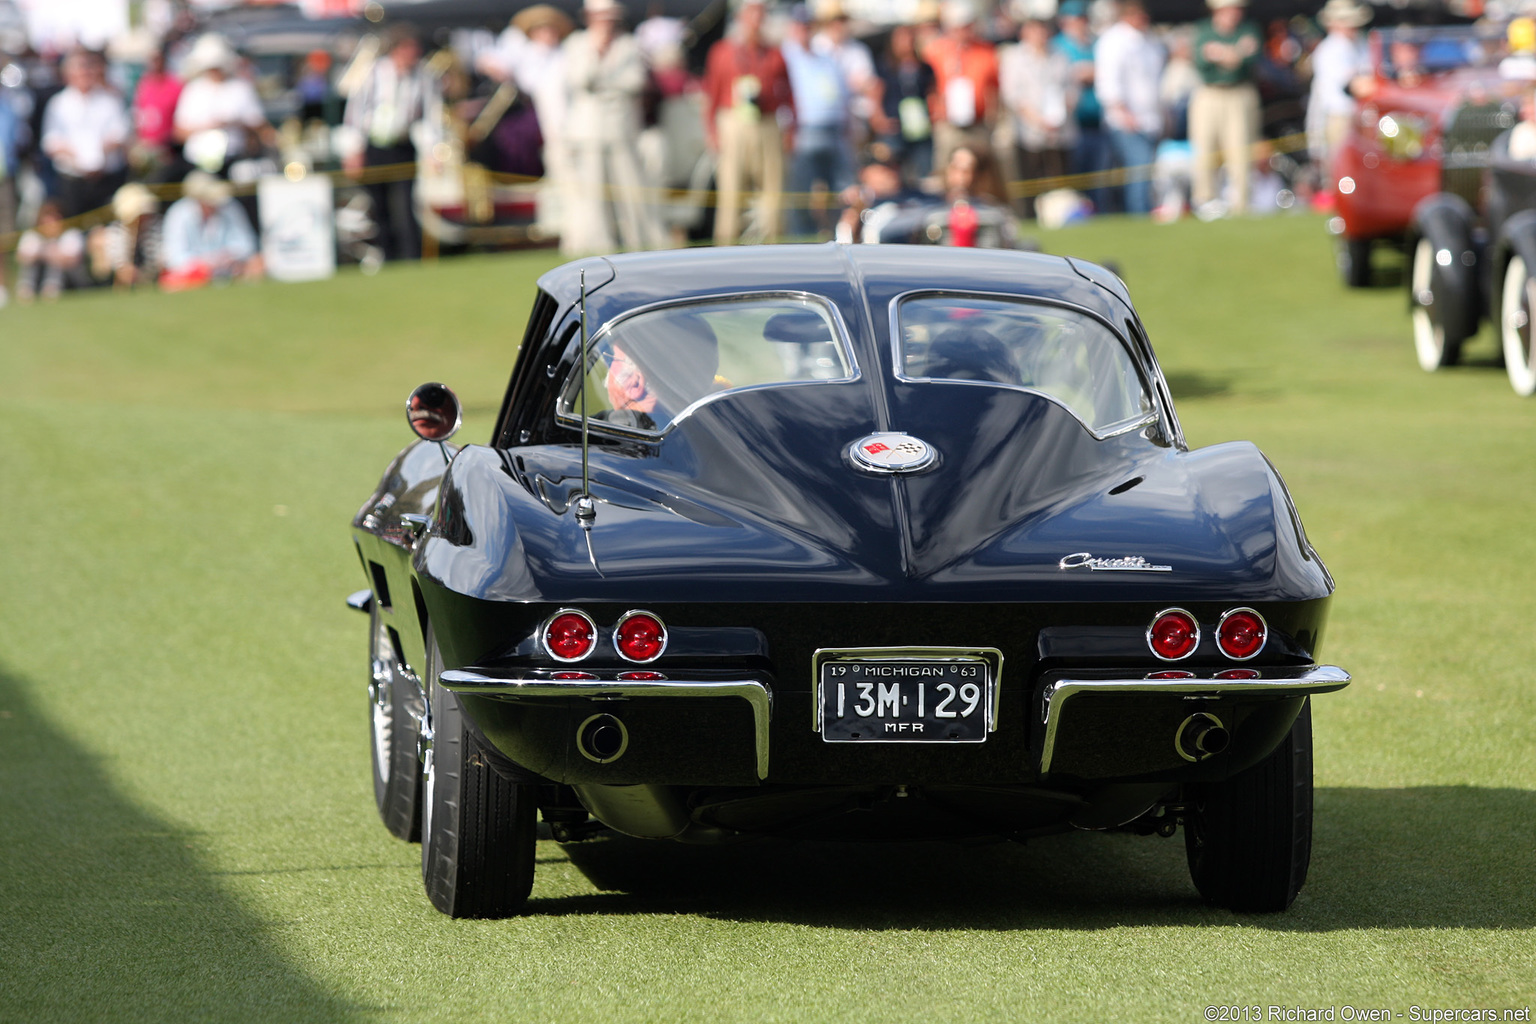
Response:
column 907, row 700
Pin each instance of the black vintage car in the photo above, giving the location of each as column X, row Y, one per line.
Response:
column 1467, row 265
column 845, row 542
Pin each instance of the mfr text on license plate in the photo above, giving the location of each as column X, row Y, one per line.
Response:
column 905, row 701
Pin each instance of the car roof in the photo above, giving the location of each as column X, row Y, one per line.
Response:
column 617, row 284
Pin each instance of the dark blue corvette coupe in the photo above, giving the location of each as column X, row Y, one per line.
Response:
column 844, row 542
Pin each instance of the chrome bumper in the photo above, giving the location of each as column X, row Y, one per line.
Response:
column 1058, row 695
column 506, row 688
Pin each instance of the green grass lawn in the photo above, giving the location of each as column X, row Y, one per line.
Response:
column 186, row 828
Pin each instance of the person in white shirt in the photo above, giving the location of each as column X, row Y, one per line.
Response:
column 219, row 119
column 604, row 75
column 529, row 55
column 85, row 132
column 1127, row 67
column 393, row 116
column 1038, row 88
column 1338, row 59
column 207, row 236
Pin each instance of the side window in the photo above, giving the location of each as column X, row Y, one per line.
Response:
column 649, row 368
column 1066, row 355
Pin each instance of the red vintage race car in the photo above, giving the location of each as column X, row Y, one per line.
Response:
column 1429, row 110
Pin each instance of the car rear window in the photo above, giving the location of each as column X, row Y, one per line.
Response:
column 649, row 368
column 1068, row 356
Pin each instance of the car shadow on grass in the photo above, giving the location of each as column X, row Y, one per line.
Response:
column 109, row 914
column 1426, row 857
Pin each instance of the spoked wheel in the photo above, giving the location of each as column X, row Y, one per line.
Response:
column 392, row 696
column 478, row 833
column 1249, row 839
column 1431, row 341
column 1519, row 356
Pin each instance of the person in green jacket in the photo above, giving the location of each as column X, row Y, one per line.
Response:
column 1224, row 110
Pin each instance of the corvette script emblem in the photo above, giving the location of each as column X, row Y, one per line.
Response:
column 891, row 453
column 1130, row 563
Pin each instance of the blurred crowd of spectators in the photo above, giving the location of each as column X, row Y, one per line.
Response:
column 799, row 122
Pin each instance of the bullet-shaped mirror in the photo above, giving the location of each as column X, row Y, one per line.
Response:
column 434, row 412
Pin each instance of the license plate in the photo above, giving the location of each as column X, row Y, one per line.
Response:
column 905, row 700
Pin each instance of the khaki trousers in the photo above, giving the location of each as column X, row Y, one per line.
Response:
column 1223, row 123
column 751, row 157
column 608, row 191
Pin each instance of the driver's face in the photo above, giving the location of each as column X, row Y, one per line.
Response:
column 627, row 388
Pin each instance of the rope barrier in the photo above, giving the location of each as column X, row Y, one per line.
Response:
column 389, row 173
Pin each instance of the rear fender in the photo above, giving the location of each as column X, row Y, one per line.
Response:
column 1517, row 237
column 1446, row 221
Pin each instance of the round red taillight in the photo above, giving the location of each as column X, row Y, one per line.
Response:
column 1241, row 634
column 640, row 636
column 1174, row 634
column 570, row 636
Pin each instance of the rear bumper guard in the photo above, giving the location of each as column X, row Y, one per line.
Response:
column 519, row 688
column 1060, row 694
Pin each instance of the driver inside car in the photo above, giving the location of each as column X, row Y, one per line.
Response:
column 658, row 366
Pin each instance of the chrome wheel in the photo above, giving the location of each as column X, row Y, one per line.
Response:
column 1515, row 322
column 393, row 693
column 1428, row 330
column 381, row 665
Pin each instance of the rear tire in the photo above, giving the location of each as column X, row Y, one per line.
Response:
column 392, row 697
column 1515, row 327
column 1249, row 839
column 478, row 829
column 1354, row 258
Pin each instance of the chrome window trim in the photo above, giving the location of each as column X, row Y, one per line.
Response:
column 991, row 656
column 665, row 635
column 1317, row 679
column 564, row 417
column 1174, row 611
column 544, row 635
column 1109, row 430
column 1262, row 622
column 514, row 687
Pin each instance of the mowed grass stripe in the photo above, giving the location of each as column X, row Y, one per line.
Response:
column 184, row 807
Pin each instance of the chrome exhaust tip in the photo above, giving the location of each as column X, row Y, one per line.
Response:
column 1201, row 736
column 602, row 738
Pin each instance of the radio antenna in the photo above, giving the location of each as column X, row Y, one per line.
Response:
column 586, row 508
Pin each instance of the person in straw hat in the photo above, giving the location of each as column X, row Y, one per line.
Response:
column 1224, row 108
column 127, row 251
column 219, row 118
column 207, row 236
column 1336, row 62
column 528, row 55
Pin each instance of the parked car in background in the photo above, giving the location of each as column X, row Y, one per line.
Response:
column 1467, row 264
column 1429, row 110
column 838, row 542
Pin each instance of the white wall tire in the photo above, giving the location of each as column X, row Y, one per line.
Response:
column 1515, row 328
column 1428, row 329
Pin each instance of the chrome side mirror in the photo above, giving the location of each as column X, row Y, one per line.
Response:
column 434, row 412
